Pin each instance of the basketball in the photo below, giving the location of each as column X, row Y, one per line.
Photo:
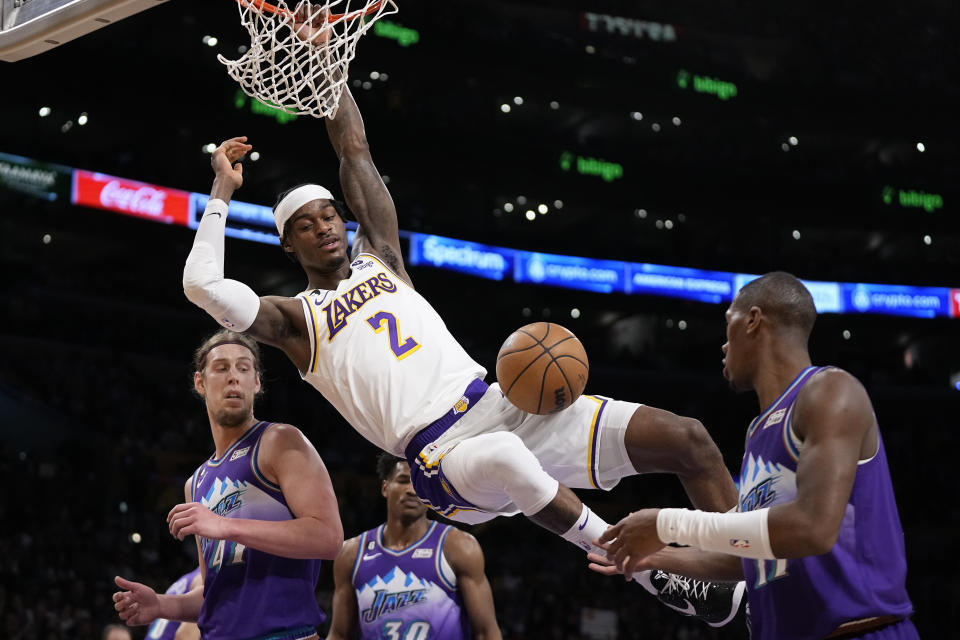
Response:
column 542, row 368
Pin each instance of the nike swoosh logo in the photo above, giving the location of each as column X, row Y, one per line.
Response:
column 580, row 528
column 215, row 213
column 371, row 556
column 688, row 610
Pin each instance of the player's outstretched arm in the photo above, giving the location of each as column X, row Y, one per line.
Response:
column 344, row 624
column 287, row 459
column 834, row 418
column 273, row 320
column 465, row 556
column 138, row 604
column 363, row 188
column 688, row 562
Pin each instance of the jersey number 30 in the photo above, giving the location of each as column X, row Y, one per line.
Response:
column 401, row 348
column 416, row 631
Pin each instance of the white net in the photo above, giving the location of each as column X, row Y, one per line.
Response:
column 300, row 53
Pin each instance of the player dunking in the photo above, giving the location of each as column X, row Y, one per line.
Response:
column 449, row 597
column 818, row 536
column 375, row 348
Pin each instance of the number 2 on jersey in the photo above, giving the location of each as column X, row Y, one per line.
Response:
column 401, row 348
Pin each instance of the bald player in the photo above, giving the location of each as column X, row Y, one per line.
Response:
column 816, row 533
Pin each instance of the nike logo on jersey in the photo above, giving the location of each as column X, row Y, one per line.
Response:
column 371, row 556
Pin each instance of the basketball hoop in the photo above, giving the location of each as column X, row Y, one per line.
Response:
column 300, row 53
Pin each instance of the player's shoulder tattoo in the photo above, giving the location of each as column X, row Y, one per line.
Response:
column 392, row 259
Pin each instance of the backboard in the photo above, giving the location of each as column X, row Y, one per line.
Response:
column 29, row 27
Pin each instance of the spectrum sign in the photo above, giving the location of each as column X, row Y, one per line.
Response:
column 255, row 222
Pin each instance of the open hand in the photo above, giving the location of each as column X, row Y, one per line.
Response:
column 631, row 540
column 224, row 161
column 137, row 605
column 602, row 565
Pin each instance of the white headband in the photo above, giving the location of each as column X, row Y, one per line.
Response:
column 296, row 199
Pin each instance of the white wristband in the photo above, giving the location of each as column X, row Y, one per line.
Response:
column 739, row 534
column 216, row 205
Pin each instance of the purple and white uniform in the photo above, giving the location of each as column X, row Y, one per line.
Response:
column 161, row 628
column 411, row 593
column 863, row 576
column 249, row 593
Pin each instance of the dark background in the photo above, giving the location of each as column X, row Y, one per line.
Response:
column 99, row 428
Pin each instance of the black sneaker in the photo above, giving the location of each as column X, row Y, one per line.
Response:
column 716, row 603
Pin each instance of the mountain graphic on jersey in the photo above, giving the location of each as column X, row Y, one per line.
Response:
column 224, row 496
column 395, row 593
column 764, row 483
column 242, row 499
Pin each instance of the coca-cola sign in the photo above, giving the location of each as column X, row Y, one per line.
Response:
column 129, row 197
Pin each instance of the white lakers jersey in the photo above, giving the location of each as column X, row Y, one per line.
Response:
column 382, row 356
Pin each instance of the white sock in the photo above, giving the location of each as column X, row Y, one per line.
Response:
column 588, row 527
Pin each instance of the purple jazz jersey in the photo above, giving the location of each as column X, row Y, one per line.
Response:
column 249, row 593
column 410, row 593
column 162, row 629
column 861, row 577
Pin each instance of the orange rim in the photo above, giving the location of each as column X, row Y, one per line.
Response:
column 262, row 6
